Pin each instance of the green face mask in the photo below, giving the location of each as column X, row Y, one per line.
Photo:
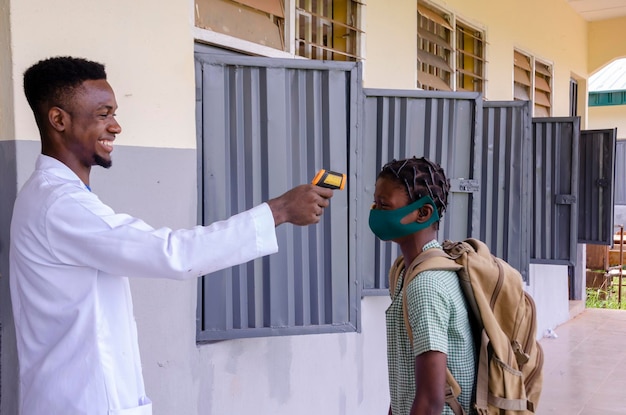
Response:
column 387, row 225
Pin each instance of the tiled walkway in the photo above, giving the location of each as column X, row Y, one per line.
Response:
column 585, row 366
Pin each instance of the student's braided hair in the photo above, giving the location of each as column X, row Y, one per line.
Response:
column 420, row 177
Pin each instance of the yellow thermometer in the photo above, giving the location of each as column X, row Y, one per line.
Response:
column 330, row 179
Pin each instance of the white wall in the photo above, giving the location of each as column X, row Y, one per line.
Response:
column 310, row 374
column 549, row 288
column 619, row 215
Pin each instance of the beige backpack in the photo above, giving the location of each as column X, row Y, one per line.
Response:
column 509, row 373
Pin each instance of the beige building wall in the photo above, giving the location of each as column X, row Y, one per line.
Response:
column 530, row 27
column 612, row 116
column 147, row 50
column 607, row 42
column 392, row 45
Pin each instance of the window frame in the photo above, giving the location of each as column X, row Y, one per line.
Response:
column 471, row 56
column 288, row 33
column 534, row 77
column 333, row 24
column 438, row 51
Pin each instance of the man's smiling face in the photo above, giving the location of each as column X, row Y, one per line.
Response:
column 93, row 127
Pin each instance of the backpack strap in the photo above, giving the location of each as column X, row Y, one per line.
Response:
column 452, row 392
column 431, row 259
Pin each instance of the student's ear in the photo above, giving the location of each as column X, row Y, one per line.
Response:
column 58, row 118
column 424, row 213
column 420, row 215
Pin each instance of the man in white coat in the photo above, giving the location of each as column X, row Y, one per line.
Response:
column 70, row 254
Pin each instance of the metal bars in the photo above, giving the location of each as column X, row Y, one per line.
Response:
column 266, row 126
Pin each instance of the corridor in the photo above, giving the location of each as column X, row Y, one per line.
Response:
column 585, row 366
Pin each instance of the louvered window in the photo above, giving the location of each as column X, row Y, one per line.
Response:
column 450, row 55
column 532, row 81
column 314, row 29
column 543, row 89
column 470, row 62
column 257, row 21
column 521, row 77
column 328, row 29
column 434, row 50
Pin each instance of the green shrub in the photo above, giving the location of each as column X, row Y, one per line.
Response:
column 606, row 297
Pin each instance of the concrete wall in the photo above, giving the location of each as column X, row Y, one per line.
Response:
column 7, row 123
column 529, row 26
column 619, row 215
column 391, row 45
column 611, row 116
column 508, row 25
column 606, row 42
column 148, row 51
column 8, row 364
column 548, row 287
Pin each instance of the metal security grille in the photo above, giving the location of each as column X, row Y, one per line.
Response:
column 620, row 172
column 596, row 186
column 505, row 181
column 434, row 50
column 266, row 125
column 555, row 175
column 440, row 126
column 327, row 29
column 470, row 58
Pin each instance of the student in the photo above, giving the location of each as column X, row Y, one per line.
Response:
column 70, row 254
column 409, row 199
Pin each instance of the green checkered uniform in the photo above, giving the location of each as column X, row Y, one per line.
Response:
column 440, row 322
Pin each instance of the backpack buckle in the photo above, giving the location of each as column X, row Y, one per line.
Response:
column 521, row 356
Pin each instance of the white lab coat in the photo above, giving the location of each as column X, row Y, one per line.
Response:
column 69, row 258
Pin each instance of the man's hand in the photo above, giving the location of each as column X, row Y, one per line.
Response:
column 302, row 205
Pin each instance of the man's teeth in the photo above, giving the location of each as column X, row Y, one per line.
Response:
column 106, row 143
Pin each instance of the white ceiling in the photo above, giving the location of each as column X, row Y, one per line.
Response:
column 599, row 9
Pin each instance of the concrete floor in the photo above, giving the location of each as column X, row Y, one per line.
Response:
column 585, row 366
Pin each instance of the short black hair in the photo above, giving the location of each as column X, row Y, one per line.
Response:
column 52, row 81
column 419, row 177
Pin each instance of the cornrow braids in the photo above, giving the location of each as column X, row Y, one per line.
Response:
column 420, row 177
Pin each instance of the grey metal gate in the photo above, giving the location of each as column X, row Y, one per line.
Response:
column 485, row 148
column 596, row 186
column 515, row 183
column 620, row 172
column 505, row 181
column 441, row 126
column 554, row 190
column 264, row 126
